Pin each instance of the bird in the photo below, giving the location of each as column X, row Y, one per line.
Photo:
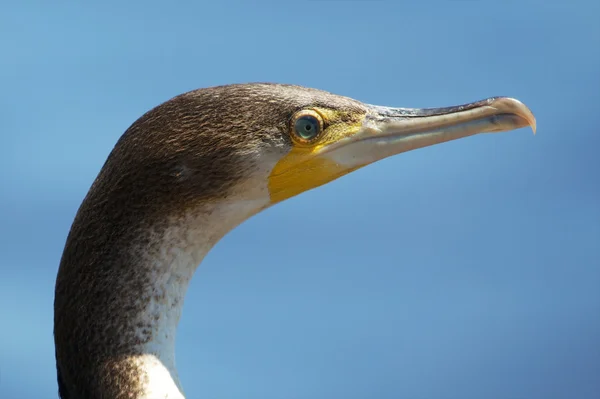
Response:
column 180, row 178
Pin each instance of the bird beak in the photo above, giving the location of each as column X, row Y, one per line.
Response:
column 384, row 132
column 389, row 131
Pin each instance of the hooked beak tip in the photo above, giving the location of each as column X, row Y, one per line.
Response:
column 507, row 105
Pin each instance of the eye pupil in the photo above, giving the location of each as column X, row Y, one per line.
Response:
column 307, row 127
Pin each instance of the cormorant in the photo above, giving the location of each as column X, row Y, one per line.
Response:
column 181, row 177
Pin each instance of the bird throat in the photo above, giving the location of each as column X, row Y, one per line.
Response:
column 169, row 262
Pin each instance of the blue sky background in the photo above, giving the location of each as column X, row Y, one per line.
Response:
column 465, row 270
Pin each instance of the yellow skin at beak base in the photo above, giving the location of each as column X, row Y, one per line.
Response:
column 304, row 167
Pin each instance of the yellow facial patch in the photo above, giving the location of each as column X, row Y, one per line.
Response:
column 304, row 167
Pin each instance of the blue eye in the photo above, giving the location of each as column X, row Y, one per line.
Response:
column 307, row 127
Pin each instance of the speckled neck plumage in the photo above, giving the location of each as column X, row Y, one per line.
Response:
column 121, row 321
column 132, row 317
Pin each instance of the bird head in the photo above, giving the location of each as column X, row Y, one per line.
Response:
column 261, row 144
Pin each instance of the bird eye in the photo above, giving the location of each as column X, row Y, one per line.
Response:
column 307, row 126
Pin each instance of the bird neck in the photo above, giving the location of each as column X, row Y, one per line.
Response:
column 122, row 311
